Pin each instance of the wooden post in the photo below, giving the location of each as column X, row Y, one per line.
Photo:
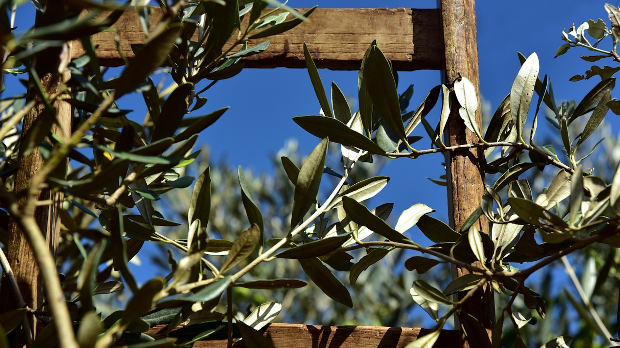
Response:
column 465, row 176
column 19, row 253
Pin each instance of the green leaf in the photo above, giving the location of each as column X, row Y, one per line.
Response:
column 597, row 29
column 12, row 319
column 558, row 190
column 425, row 107
column 593, row 97
column 88, row 275
column 512, row 174
column 559, row 342
column 291, row 169
column 316, row 248
column 326, row 281
column 362, row 216
column 135, row 157
column 421, row 264
column 90, row 328
column 142, row 300
column 251, row 209
column 151, row 56
column 199, row 212
column 446, row 108
column 206, row 294
column 436, row 230
column 363, row 98
column 411, row 216
column 250, row 51
column 382, row 90
column 429, row 307
column 362, row 190
column 308, row 181
column 342, row 111
column 257, row 10
column 173, row 111
column 463, row 283
column 429, row 293
column 284, row 26
column 522, row 92
column 475, row 243
column 467, row 97
column 615, row 188
column 426, row 341
column 596, row 118
column 201, row 124
column 576, row 195
column 119, row 247
column 471, row 220
column 562, row 49
column 272, row 284
column 319, row 90
column 536, row 215
column 374, row 255
column 160, row 343
column 541, row 97
column 337, row 131
column 242, row 247
column 253, row 338
column 263, row 315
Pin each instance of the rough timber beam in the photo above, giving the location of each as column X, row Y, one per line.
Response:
column 301, row 336
column 337, row 39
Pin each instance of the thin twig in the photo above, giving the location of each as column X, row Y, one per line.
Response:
column 51, row 282
column 571, row 273
column 8, row 272
column 519, row 145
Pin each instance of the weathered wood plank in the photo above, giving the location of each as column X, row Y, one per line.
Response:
column 337, row 39
column 465, row 175
column 302, row 336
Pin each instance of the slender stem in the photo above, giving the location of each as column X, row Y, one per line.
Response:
column 15, row 118
column 425, row 251
column 8, row 272
column 296, row 231
column 571, row 273
column 518, row 145
column 51, row 282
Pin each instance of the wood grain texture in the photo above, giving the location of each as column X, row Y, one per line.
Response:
column 19, row 253
column 316, row 336
column 465, row 176
column 337, row 39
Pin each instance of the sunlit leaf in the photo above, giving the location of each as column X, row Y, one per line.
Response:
column 534, row 214
column 576, row 195
column 90, row 328
column 263, row 315
column 429, row 293
column 362, row 190
column 559, row 342
column 411, row 216
column 463, row 283
column 467, row 97
column 208, row 293
column 475, row 243
column 426, row 341
column 273, row 284
column 522, row 92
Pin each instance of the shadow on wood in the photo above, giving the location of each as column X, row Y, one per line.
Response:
column 317, row 336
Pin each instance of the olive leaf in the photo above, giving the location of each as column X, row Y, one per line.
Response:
column 374, row 255
column 319, row 90
column 468, row 99
column 326, row 281
column 199, row 212
column 522, row 92
column 362, row 216
column 308, row 181
column 242, row 247
column 251, row 209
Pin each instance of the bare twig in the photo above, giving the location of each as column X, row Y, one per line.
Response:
column 571, row 273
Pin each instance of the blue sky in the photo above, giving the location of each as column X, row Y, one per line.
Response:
column 264, row 101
